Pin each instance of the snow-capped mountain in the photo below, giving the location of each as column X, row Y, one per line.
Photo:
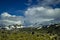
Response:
column 10, row 27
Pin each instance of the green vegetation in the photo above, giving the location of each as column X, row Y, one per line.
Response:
column 45, row 33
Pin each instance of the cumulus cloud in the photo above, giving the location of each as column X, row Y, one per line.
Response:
column 31, row 16
column 41, row 14
column 8, row 19
column 5, row 14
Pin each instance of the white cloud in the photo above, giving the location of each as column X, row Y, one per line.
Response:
column 5, row 14
column 31, row 16
column 41, row 14
column 8, row 19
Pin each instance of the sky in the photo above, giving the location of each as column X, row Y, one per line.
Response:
column 29, row 12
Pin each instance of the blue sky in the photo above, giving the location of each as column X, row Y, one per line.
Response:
column 14, row 5
column 27, row 11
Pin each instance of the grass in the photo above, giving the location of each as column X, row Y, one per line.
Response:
column 25, row 35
